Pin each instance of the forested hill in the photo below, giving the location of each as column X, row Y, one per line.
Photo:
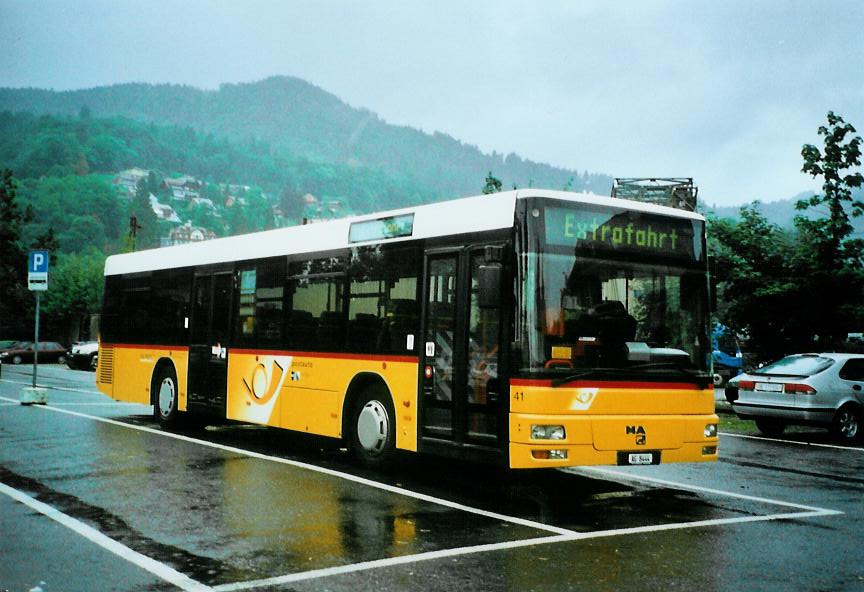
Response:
column 304, row 121
column 782, row 212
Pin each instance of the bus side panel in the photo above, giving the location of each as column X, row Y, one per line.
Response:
column 306, row 392
column 133, row 370
column 313, row 400
column 255, row 384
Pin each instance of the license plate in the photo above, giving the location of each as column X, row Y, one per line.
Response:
column 651, row 457
column 640, row 458
column 769, row 387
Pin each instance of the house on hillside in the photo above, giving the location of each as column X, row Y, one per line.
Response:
column 204, row 201
column 185, row 187
column 185, row 234
column 128, row 180
column 162, row 211
column 231, row 201
column 315, row 210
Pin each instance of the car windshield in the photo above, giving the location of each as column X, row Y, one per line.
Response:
column 799, row 365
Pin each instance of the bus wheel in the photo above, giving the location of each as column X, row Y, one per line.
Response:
column 165, row 401
column 373, row 427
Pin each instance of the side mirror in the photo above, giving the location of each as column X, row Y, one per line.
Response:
column 489, row 279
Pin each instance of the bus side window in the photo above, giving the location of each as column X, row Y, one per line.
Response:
column 136, row 303
column 317, row 319
column 169, row 305
column 382, row 310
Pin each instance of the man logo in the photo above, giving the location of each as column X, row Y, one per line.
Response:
column 639, row 432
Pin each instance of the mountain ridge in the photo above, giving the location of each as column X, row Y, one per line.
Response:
column 296, row 116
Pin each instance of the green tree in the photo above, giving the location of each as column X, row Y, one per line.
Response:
column 291, row 203
column 259, row 212
column 13, row 293
column 492, row 185
column 76, row 289
column 830, row 235
column 832, row 260
column 146, row 233
column 763, row 297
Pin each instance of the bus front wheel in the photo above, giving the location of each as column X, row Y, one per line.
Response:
column 165, row 400
column 373, row 427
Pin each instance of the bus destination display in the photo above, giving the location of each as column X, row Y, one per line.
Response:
column 624, row 232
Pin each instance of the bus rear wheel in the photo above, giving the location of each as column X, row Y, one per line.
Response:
column 373, row 427
column 166, row 396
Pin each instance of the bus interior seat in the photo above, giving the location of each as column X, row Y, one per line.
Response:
column 330, row 333
column 300, row 332
column 400, row 321
column 363, row 332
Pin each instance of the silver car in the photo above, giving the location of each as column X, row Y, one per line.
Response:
column 804, row 389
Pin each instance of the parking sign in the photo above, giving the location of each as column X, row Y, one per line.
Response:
column 37, row 270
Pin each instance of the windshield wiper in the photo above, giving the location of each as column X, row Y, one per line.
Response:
column 673, row 366
column 556, row 382
column 688, row 372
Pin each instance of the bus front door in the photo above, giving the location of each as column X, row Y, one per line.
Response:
column 208, row 347
column 460, row 398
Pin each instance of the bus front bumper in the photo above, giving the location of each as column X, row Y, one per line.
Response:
column 612, row 440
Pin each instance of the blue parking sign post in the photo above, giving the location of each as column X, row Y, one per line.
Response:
column 37, row 281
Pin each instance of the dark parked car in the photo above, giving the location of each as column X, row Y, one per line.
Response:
column 83, row 356
column 23, row 351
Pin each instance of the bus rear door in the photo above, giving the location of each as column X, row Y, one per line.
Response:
column 208, row 346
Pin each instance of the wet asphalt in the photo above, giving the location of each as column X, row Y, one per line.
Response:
column 243, row 507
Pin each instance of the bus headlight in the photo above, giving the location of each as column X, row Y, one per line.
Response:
column 547, row 432
column 711, row 430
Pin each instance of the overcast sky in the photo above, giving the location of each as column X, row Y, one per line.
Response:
column 725, row 92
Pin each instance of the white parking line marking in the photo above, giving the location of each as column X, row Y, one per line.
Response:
column 699, row 489
column 724, row 434
column 562, row 535
column 54, row 388
column 317, row 469
column 151, row 565
column 107, row 403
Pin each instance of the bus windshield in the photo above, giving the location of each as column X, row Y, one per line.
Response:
column 614, row 292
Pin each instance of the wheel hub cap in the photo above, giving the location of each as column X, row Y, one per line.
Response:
column 373, row 426
column 848, row 425
column 166, row 397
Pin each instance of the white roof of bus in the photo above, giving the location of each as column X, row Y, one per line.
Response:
column 458, row 216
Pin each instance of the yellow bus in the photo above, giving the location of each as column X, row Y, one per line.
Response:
column 528, row 328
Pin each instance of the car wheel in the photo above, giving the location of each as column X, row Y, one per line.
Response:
column 847, row 423
column 16, row 360
column 94, row 361
column 166, row 397
column 770, row 427
column 373, row 427
column 61, row 360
